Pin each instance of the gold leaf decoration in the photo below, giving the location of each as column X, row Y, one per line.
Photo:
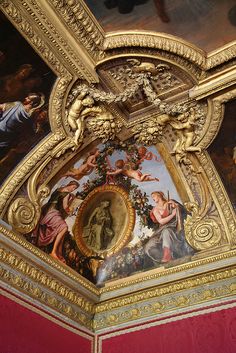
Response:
column 23, row 215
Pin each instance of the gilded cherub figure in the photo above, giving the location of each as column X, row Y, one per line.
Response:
column 184, row 125
column 80, row 109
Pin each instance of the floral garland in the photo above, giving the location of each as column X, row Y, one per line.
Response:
column 138, row 198
column 142, row 80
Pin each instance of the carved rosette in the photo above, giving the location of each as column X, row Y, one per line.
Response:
column 23, row 215
column 202, row 234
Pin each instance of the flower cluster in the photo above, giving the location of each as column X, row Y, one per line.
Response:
column 140, row 203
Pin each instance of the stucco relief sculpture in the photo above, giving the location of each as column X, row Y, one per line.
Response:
column 82, row 107
column 184, row 124
column 100, row 121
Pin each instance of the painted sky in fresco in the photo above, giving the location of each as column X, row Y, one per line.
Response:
column 155, row 168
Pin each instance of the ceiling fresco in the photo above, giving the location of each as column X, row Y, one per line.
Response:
column 102, row 215
column 208, row 24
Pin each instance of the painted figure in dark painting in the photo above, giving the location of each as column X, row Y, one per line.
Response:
column 52, row 226
column 125, row 6
column 168, row 241
column 15, row 118
column 17, row 85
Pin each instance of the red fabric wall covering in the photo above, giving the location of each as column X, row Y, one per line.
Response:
column 24, row 331
column 207, row 333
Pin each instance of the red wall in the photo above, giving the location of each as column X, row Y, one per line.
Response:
column 24, row 331
column 209, row 333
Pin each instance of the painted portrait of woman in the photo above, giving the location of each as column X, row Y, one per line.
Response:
column 52, row 227
column 167, row 241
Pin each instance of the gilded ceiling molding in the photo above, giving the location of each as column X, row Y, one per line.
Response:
column 171, row 44
column 153, row 40
column 215, row 115
column 132, row 298
column 214, row 83
column 165, row 302
column 47, row 290
column 31, row 281
column 82, row 24
column 51, row 45
column 221, row 55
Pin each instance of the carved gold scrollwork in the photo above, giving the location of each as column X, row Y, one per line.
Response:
column 201, row 233
column 23, row 215
column 42, row 193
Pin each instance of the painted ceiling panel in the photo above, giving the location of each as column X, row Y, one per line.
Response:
column 208, row 24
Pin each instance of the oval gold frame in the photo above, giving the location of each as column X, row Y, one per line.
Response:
column 121, row 206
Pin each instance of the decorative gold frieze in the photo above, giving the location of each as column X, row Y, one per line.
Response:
column 190, row 292
column 82, row 24
column 158, row 41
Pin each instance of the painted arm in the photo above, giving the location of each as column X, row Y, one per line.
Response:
column 166, row 219
column 115, row 172
column 66, row 202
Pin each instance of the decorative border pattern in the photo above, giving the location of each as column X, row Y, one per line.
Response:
column 82, row 23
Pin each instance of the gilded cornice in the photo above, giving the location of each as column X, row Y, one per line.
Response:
column 154, row 40
column 46, row 290
column 32, row 18
column 187, row 283
column 221, row 55
column 80, row 21
column 164, row 306
column 215, row 114
column 171, row 44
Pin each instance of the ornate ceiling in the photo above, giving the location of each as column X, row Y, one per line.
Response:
column 110, row 198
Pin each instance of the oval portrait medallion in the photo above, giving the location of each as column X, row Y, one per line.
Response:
column 105, row 221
